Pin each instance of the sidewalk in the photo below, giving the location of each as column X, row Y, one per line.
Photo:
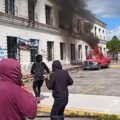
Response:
column 27, row 76
column 84, row 105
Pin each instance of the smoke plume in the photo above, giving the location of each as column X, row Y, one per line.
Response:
column 68, row 10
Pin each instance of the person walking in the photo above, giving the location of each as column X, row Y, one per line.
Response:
column 58, row 82
column 38, row 68
column 16, row 103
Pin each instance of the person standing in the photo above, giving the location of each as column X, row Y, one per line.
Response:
column 38, row 68
column 58, row 82
column 16, row 103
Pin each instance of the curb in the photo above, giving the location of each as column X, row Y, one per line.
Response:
column 112, row 66
column 76, row 112
column 72, row 68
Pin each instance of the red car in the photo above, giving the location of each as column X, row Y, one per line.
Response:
column 96, row 60
column 94, row 63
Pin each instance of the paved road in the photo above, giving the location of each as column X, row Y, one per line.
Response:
column 103, row 82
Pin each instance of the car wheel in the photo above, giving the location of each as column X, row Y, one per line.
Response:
column 108, row 66
column 99, row 67
column 84, row 69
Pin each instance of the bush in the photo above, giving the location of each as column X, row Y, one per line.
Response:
column 108, row 117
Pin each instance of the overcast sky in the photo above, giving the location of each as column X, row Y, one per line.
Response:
column 109, row 12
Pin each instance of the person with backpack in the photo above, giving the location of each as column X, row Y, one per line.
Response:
column 38, row 68
column 58, row 82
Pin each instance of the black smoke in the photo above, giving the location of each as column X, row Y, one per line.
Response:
column 68, row 10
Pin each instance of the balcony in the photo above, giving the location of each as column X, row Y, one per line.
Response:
column 19, row 21
column 15, row 20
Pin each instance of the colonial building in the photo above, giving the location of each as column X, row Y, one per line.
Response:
column 28, row 28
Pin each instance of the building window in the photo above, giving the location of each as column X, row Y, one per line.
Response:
column 95, row 31
column 78, row 25
column 72, row 48
column 10, row 7
column 33, row 49
column 99, row 30
column 80, row 52
column 61, row 22
column 62, row 51
column 31, row 9
column 48, row 11
column 50, row 50
column 12, row 47
column 33, row 53
column 104, row 38
column 86, row 51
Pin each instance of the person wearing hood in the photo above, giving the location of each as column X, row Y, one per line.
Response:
column 58, row 82
column 38, row 68
column 16, row 103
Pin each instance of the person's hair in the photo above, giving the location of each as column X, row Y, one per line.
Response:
column 38, row 58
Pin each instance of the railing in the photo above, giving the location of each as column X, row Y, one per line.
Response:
column 11, row 19
column 15, row 20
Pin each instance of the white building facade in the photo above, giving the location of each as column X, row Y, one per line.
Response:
column 22, row 39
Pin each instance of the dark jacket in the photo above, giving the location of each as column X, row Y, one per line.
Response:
column 15, row 102
column 59, row 81
column 38, row 68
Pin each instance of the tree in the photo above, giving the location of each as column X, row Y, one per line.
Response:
column 114, row 46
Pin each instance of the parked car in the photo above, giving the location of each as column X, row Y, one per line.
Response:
column 91, row 64
column 96, row 59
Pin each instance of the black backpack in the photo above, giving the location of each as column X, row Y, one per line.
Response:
column 39, row 71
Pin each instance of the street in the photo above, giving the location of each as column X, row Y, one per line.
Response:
column 95, row 82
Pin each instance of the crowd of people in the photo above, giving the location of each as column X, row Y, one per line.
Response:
column 18, row 103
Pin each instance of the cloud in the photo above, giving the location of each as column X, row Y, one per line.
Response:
column 113, row 32
column 104, row 8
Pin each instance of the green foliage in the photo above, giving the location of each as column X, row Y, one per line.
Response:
column 108, row 117
column 114, row 45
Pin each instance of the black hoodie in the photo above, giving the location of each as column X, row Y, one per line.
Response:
column 59, row 81
column 38, row 68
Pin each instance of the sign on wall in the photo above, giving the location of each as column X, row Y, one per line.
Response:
column 27, row 44
column 3, row 52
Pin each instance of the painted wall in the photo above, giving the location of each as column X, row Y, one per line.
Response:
column 27, row 33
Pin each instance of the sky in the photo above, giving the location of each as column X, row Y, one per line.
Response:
column 109, row 12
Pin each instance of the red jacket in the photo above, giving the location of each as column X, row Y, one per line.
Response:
column 15, row 102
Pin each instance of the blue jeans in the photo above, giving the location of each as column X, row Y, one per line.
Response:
column 57, row 112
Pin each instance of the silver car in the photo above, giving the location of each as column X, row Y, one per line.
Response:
column 91, row 65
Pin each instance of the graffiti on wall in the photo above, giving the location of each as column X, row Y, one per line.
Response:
column 3, row 53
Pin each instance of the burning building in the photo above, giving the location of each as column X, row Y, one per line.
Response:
column 57, row 29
